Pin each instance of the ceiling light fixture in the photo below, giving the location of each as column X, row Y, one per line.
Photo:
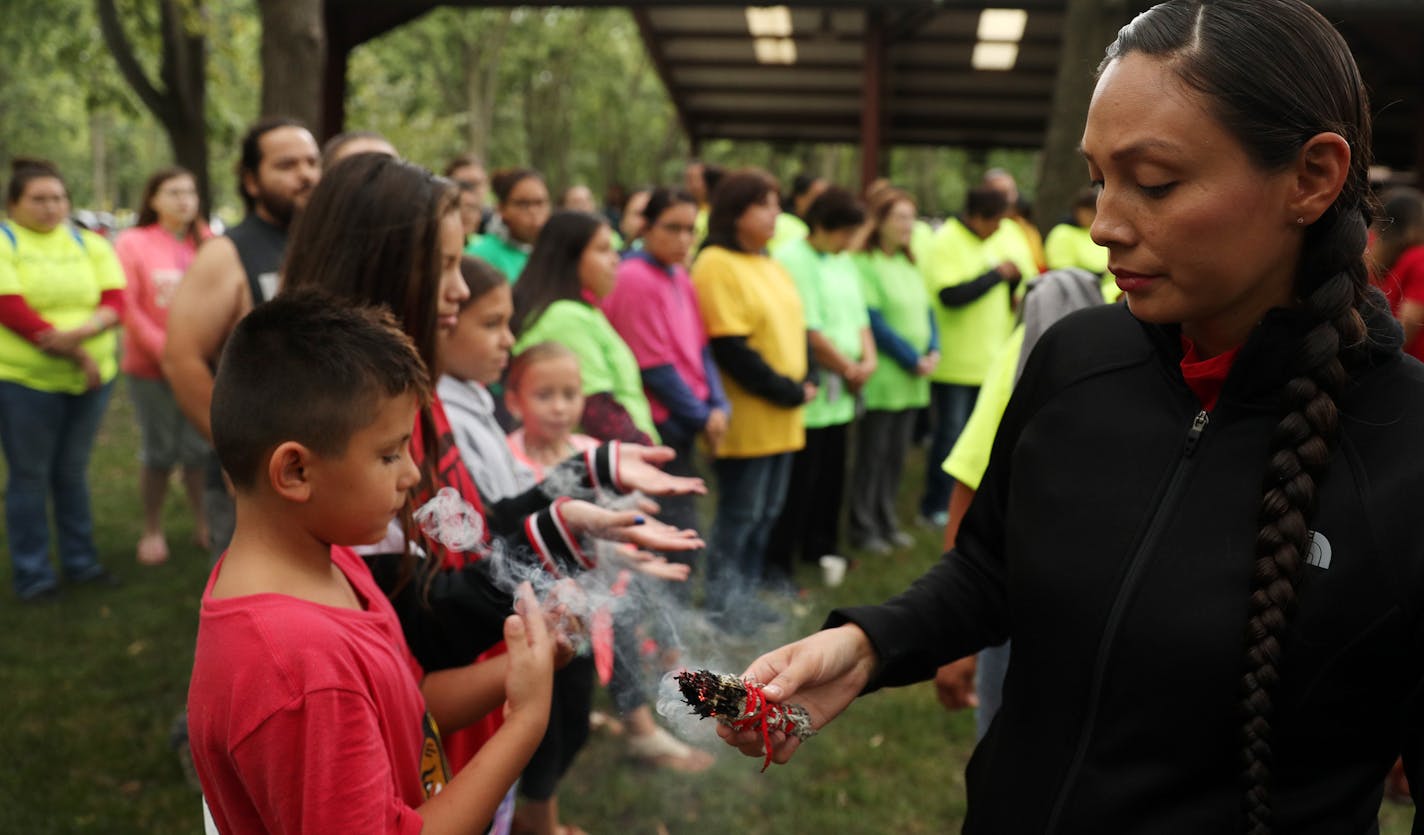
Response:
column 775, row 50
column 989, row 55
column 1001, row 24
column 769, row 21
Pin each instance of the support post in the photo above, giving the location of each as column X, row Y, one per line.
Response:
column 333, row 90
column 872, row 99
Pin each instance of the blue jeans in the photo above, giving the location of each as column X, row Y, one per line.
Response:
column 989, row 685
column 750, row 495
column 47, row 439
column 950, row 406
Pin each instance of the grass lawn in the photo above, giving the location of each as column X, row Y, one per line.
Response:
column 93, row 680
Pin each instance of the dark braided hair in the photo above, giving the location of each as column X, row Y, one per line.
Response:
column 1276, row 74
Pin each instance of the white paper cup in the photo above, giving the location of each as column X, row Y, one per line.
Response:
column 833, row 569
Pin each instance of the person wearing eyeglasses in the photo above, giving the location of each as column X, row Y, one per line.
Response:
column 522, row 211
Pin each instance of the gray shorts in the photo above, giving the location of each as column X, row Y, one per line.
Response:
column 169, row 440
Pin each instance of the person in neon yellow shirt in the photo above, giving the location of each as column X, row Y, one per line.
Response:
column 1069, row 244
column 1002, row 181
column 972, row 270
column 61, row 294
column 1063, row 291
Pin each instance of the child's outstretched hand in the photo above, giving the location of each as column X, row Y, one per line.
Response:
column 638, row 470
column 529, row 684
column 652, row 565
column 585, row 518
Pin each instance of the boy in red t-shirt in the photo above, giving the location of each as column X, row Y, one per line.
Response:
column 307, row 712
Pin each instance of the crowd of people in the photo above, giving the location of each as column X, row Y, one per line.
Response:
column 371, row 335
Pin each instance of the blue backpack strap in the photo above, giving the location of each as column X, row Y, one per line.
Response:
column 9, row 233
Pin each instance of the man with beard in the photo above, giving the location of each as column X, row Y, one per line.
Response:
column 279, row 167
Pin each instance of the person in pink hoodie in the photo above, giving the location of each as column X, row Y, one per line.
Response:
column 154, row 254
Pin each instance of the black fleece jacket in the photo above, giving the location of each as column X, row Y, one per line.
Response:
column 1113, row 542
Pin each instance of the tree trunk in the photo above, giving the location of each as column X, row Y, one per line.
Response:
column 293, row 59
column 180, row 106
column 99, row 158
column 1088, row 27
column 482, row 38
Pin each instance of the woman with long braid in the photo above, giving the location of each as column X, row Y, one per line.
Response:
column 1199, row 521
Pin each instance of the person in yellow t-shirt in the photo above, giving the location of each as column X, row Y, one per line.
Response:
column 972, row 269
column 756, row 328
column 61, row 294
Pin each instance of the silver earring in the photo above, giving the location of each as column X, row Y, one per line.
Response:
column 1300, row 221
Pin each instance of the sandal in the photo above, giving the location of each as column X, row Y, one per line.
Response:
column 662, row 750
column 152, row 549
column 600, row 721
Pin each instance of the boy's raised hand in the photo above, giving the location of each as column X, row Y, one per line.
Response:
column 638, row 470
column 529, row 684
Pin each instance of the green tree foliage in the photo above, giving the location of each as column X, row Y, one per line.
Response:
column 64, row 99
column 61, row 99
column 568, row 91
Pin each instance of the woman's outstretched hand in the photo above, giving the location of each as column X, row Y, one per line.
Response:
column 638, row 470
column 823, row 673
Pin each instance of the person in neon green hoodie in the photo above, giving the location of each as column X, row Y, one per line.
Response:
column 972, row 270
column 572, row 266
column 61, row 294
column 523, row 210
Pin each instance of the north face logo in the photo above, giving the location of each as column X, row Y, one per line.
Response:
column 1319, row 552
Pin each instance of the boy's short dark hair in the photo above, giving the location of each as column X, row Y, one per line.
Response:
column 309, row 368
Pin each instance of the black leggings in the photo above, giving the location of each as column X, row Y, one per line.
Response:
column 567, row 733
